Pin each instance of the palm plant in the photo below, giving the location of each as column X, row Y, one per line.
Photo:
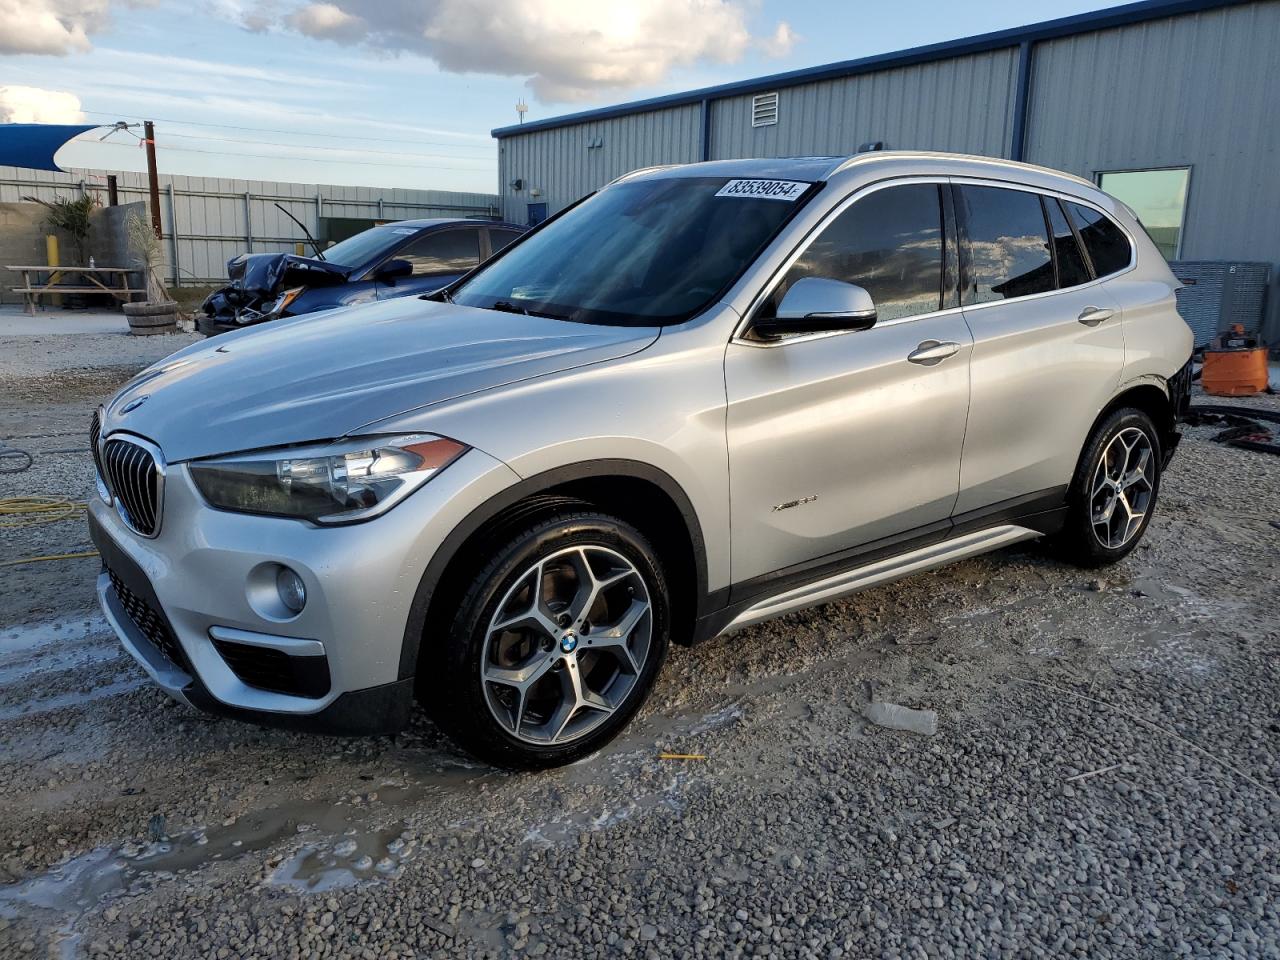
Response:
column 147, row 255
column 73, row 216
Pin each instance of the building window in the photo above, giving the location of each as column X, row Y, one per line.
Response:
column 764, row 110
column 1158, row 197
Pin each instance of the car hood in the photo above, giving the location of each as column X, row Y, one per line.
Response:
column 268, row 272
column 324, row 376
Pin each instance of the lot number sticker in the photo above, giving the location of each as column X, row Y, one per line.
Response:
column 763, row 189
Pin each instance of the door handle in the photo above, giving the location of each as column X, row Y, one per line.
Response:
column 932, row 351
column 1092, row 316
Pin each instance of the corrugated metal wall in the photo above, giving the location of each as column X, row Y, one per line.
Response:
column 562, row 165
column 962, row 105
column 218, row 218
column 927, row 106
column 1200, row 90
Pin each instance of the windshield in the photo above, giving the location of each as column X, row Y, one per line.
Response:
column 648, row 252
column 369, row 245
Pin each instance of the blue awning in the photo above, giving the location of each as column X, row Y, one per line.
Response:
column 32, row 145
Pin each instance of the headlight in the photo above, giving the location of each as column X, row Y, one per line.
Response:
column 282, row 302
column 326, row 483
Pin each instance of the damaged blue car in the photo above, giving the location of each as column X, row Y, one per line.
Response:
column 406, row 258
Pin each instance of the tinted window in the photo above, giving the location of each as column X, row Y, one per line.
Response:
column 639, row 252
column 449, row 251
column 1071, row 266
column 1106, row 243
column 889, row 242
column 501, row 238
column 1007, row 254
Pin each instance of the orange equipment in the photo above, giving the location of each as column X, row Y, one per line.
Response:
column 1235, row 364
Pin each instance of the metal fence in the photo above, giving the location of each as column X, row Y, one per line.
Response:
column 208, row 220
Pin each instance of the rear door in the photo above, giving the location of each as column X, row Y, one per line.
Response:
column 840, row 444
column 1048, row 349
column 438, row 256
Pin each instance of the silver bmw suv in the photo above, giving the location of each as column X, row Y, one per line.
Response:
column 702, row 397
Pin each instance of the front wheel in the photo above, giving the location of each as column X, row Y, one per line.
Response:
column 1113, row 494
column 555, row 645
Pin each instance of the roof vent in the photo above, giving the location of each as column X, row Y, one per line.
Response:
column 764, row 109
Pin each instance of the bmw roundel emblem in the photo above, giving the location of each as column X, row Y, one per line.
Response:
column 569, row 642
column 135, row 403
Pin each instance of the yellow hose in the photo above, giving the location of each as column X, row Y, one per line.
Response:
column 52, row 556
column 29, row 511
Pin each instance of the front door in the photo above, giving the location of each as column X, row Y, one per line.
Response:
column 839, row 443
column 1047, row 355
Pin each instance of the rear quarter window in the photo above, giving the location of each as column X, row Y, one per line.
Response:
column 1107, row 245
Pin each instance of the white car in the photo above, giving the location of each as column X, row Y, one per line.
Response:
column 704, row 396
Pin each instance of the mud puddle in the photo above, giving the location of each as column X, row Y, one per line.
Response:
column 357, row 838
column 35, row 636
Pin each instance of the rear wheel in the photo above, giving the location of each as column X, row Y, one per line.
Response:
column 1114, row 492
column 556, row 643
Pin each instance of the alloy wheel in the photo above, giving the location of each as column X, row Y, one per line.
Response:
column 567, row 645
column 1123, row 484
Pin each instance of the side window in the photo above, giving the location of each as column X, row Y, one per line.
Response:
column 889, row 242
column 1107, row 244
column 448, row 251
column 501, row 238
column 1006, row 251
column 1071, row 266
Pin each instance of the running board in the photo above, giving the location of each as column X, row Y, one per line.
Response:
column 882, row 571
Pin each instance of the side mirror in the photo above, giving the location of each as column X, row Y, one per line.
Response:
column 393, row 270
column 817, row 305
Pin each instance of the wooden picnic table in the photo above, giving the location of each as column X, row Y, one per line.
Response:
column 33, row 288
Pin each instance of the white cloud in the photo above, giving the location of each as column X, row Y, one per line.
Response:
column 33, row 105
column 568, row 49
column 56, row 27
column 780, row 44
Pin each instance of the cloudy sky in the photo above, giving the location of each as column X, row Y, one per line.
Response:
column 404, row 92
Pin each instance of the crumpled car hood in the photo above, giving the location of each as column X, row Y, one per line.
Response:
column 268, row 272
column 323, row 376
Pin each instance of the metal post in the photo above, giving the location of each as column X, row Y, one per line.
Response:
column 248, row 223
column 1021, row 103
column 380, row 216
column 173, row 234
column 113, row 195
column 153, row 178
column 706, row 129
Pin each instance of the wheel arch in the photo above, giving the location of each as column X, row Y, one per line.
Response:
column 1149, row 394
column 643, row 495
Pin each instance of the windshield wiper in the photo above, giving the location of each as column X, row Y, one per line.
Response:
column 506, row 306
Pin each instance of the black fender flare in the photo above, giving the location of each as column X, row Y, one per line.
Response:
column 415, row 625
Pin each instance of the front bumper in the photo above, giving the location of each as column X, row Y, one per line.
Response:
column 184, row 604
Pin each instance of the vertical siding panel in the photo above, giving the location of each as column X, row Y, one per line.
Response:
column 1198, row 90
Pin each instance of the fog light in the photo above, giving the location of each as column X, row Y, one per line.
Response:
column 293, row 592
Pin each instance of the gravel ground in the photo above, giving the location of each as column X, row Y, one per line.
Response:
column 1104, row 782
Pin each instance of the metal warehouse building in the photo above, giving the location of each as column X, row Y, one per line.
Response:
column 1174, row 107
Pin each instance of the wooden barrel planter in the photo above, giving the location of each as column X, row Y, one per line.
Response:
column 149, row 318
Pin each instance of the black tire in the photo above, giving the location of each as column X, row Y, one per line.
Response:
column 1080, row 542
column 451, row 688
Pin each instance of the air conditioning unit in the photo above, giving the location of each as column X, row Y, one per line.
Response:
column 764, row 109
column 1218, row 293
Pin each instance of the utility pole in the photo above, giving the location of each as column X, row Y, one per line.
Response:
column 153, row 180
